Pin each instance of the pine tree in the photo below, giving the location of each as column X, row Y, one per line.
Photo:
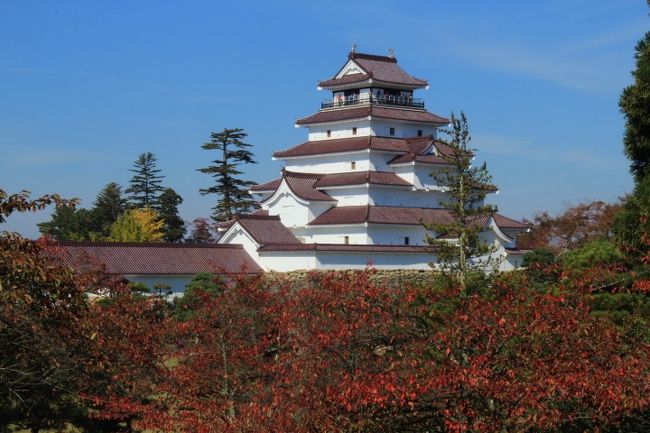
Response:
column 635, row 105
column 168, row 203
column 108, row 206
column 231, row 190
column 145, row 183
column 458, row 244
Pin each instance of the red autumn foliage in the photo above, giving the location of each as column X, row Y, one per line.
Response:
column 343, row 354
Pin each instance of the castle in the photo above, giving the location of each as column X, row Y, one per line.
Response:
column 359, row 190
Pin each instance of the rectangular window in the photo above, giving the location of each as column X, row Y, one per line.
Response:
column 391, row 131
column 353, row 165
column 329, row 133
column 407, row 240
column 354, row 131
column 346, row 240
column 419, row 133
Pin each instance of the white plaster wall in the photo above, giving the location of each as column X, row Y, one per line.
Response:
column 338, row 163
column 350, row 196
column 291, row 211
column 285, row 261
column 333, row 234
column 236, row 235
column 406, row 172
column 381, row 127
column 331, row 260
column 386, row 234
column 340, row 130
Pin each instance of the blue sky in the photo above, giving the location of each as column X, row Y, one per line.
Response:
column 87, row 86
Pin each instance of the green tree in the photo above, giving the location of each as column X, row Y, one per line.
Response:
column 168, row 203
column 145, row 183
column 68, row 224
column 231, row 190
column 108, row 206
column 632, row 227
column 635, row 105
column 459, row 245
column 137, row 225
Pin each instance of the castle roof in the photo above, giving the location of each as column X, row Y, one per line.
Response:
column 377, row 68
column 414, row 145
column 402, row 216
column 130, row 258
column 304, row 185
column 403, row 114
column 351, row 248
column 360, row 178
column 382, row 215
column 264, row 229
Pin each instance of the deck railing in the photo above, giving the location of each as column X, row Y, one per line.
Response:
column 340, row 101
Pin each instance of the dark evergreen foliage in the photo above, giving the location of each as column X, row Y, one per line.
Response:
column 145, row 184
column 231, row 190
column 69, row 224
column 108, row 205
column 635, row 105
column 167, row 208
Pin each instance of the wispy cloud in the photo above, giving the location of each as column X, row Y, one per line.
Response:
column 526, row 148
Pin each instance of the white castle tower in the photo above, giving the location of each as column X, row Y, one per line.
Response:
column 359, row 190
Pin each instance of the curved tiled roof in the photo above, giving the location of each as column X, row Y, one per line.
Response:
column 382, row 215
column 369, row 248
column 327, row 116
column 302, row 185
column 128, row 258
column 389, row 144
column 266, row 229
column 378, row 68
column 360, row 178
column 268, row 186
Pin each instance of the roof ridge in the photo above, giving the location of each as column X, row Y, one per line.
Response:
column 145, row 244
column 355, row 55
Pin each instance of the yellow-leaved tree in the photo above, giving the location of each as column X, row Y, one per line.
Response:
column 137, row 225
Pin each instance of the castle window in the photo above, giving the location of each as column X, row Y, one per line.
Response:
column 391, row 131
column 346, row 240
column 419, row 133
column 354, row 131
column 329, row 132
column 407, row 240
column 353, row 165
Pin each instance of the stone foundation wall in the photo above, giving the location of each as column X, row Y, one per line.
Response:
column 390, row 278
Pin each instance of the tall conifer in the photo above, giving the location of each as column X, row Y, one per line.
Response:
column 231, row 190
column 145, row 184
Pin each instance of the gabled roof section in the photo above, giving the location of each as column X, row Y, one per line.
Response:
column 265, row 229
column 404, row 114
column 377, row 68
column 382, row 215
column 128, row 258
column 360, row 178
column 420, row 151
column 342, row 145
column 268, row 186
column 302, row 185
